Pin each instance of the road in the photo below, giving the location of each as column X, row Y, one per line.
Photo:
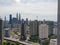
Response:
column 22, row 42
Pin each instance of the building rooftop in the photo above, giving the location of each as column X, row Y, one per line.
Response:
column 54, row 40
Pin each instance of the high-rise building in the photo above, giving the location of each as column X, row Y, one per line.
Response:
column 5, row 22
column 55, row 31
column 27, row 21
column 33, row 28
column 43, row 31
column 0, row 31
column 22, row 21
column 23, row 35
column 5, row 18
column 51, row 26
column 15, row 21
column 19, row 17
column 10, row 20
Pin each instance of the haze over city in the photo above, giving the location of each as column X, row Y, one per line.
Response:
column 44, row 9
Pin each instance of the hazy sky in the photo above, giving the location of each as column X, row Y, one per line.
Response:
column 44, row 9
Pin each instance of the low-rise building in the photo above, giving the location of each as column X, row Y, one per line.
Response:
column 6, row 32
column 53, row 42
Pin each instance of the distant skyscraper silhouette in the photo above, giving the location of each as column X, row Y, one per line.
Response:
column 5, row 21
column 5, row 18
column 10, row 21
column 22, row 21
column 15, row 20
column 17, row 16
column 27, row 21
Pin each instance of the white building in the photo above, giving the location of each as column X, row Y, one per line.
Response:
column 55, row 30
column 53, row 42
column 43, row 31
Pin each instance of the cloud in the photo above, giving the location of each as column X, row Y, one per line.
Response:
column 6, row 2
column 37, row 8
column 10, row 2
column 47, row 9
column 36, row 1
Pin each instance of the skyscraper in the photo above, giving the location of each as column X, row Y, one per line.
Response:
column 55, row 31
column 5, row 22
column 27, row 21
column 15, row 20
column 23, row 36
column 50, row 29
column 10, row 20
column 0, row 31
column 19, row 17
column 33, row 28
column 22, row 21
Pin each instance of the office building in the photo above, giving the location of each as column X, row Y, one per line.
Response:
column 15, row 20
column 51, row 26
column 55, row 31
column 53, row 42
column 0, row 31
column 23, row 35
column 22, row 21
column 17, row 27
column 27, row 21
column 6, row 32
column 10, row 20
column 43, row 31
column 33, row 27
column 5, row 22
column 26, row 28
column 19, row 18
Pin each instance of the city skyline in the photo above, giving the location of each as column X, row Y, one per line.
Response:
column 18, row 17
column 43, row 9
